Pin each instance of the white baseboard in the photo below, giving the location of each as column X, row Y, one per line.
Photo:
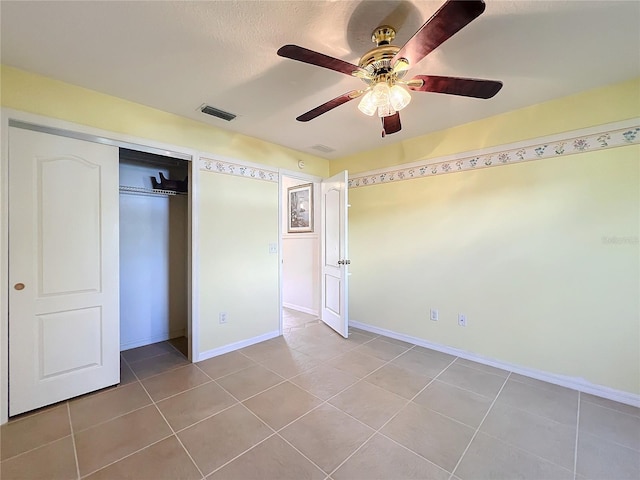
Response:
column 236, row 346
column 298, row 308
column 161, row 337
column 573, row 383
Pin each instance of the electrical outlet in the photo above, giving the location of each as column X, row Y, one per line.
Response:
column 273, row 248
column 462, row 320
column 222, row 318
column 434, row 315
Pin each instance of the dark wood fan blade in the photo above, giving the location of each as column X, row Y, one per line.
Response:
column 301, row 54
column 330, row 105
column 467, row 87
column 446, row 22
column 391, row 124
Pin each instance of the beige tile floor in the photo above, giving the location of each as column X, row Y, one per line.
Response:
column 313, row 405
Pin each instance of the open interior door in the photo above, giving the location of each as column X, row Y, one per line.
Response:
column 334, row 307
column 64, row 328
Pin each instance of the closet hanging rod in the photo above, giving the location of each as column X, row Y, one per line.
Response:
column 148, row 191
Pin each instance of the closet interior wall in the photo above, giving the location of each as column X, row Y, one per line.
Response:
column 153, row 251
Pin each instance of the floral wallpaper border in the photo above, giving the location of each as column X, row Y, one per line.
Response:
column 573, row 143
column 239, row 170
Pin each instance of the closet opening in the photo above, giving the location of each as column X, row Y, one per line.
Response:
column 154, row 255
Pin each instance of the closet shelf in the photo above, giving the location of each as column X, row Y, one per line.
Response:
column 148, row 191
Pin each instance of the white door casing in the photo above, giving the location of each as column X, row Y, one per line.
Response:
column 63, row 268
column 334, row 306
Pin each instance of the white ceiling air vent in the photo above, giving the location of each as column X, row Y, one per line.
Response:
column 214, row 112
column 323, row 148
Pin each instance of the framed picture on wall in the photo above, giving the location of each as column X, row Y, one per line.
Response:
column 300, row 208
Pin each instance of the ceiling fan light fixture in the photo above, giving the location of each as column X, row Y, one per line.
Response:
column 399, row 97
column 386, row 111
column 380, row 94
column 384, row 99
column 366, row 105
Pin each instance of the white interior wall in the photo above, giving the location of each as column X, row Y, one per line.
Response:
column 300, row 257
column 153, row 260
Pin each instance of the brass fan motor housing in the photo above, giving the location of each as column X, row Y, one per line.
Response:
column 377, row 61
column 378, row 55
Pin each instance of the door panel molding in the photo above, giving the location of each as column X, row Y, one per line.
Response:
column 51, row 186
column 63, row 206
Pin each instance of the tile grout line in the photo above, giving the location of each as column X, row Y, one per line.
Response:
column 378, row 430
column 611, row 409
column 273, row 434
column 119, row 416
column 306, row 354
column 464, row 389
column 475, row 434
column 238, row 402
column 276, row 432
column 150, row 357
column 575, row 452
column 73, row 441
column 478, row 369
column 169, row 425
column 519, row 409
column 206, row 418
column 170, row 369
column 523, row 450
column 153, row 443
column 34, row 413
column 387, row 362
column 173, row 395
column 112, row 418
column 33, row 449
column 126, row 456
column 300, row 452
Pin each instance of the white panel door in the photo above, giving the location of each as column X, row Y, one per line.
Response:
column 334, row 298
column 63, row 268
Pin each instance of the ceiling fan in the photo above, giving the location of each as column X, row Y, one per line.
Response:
column 384, row 67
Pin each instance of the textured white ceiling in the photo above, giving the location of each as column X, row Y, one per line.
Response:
column 176, row 55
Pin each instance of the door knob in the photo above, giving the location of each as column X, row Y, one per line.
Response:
column 19, row 286
column 340, row 262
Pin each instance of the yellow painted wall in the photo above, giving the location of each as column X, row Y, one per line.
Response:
column 594, row 107
column 522, row 250
column 238, row 275
column 517, row 248
column 32, row 93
